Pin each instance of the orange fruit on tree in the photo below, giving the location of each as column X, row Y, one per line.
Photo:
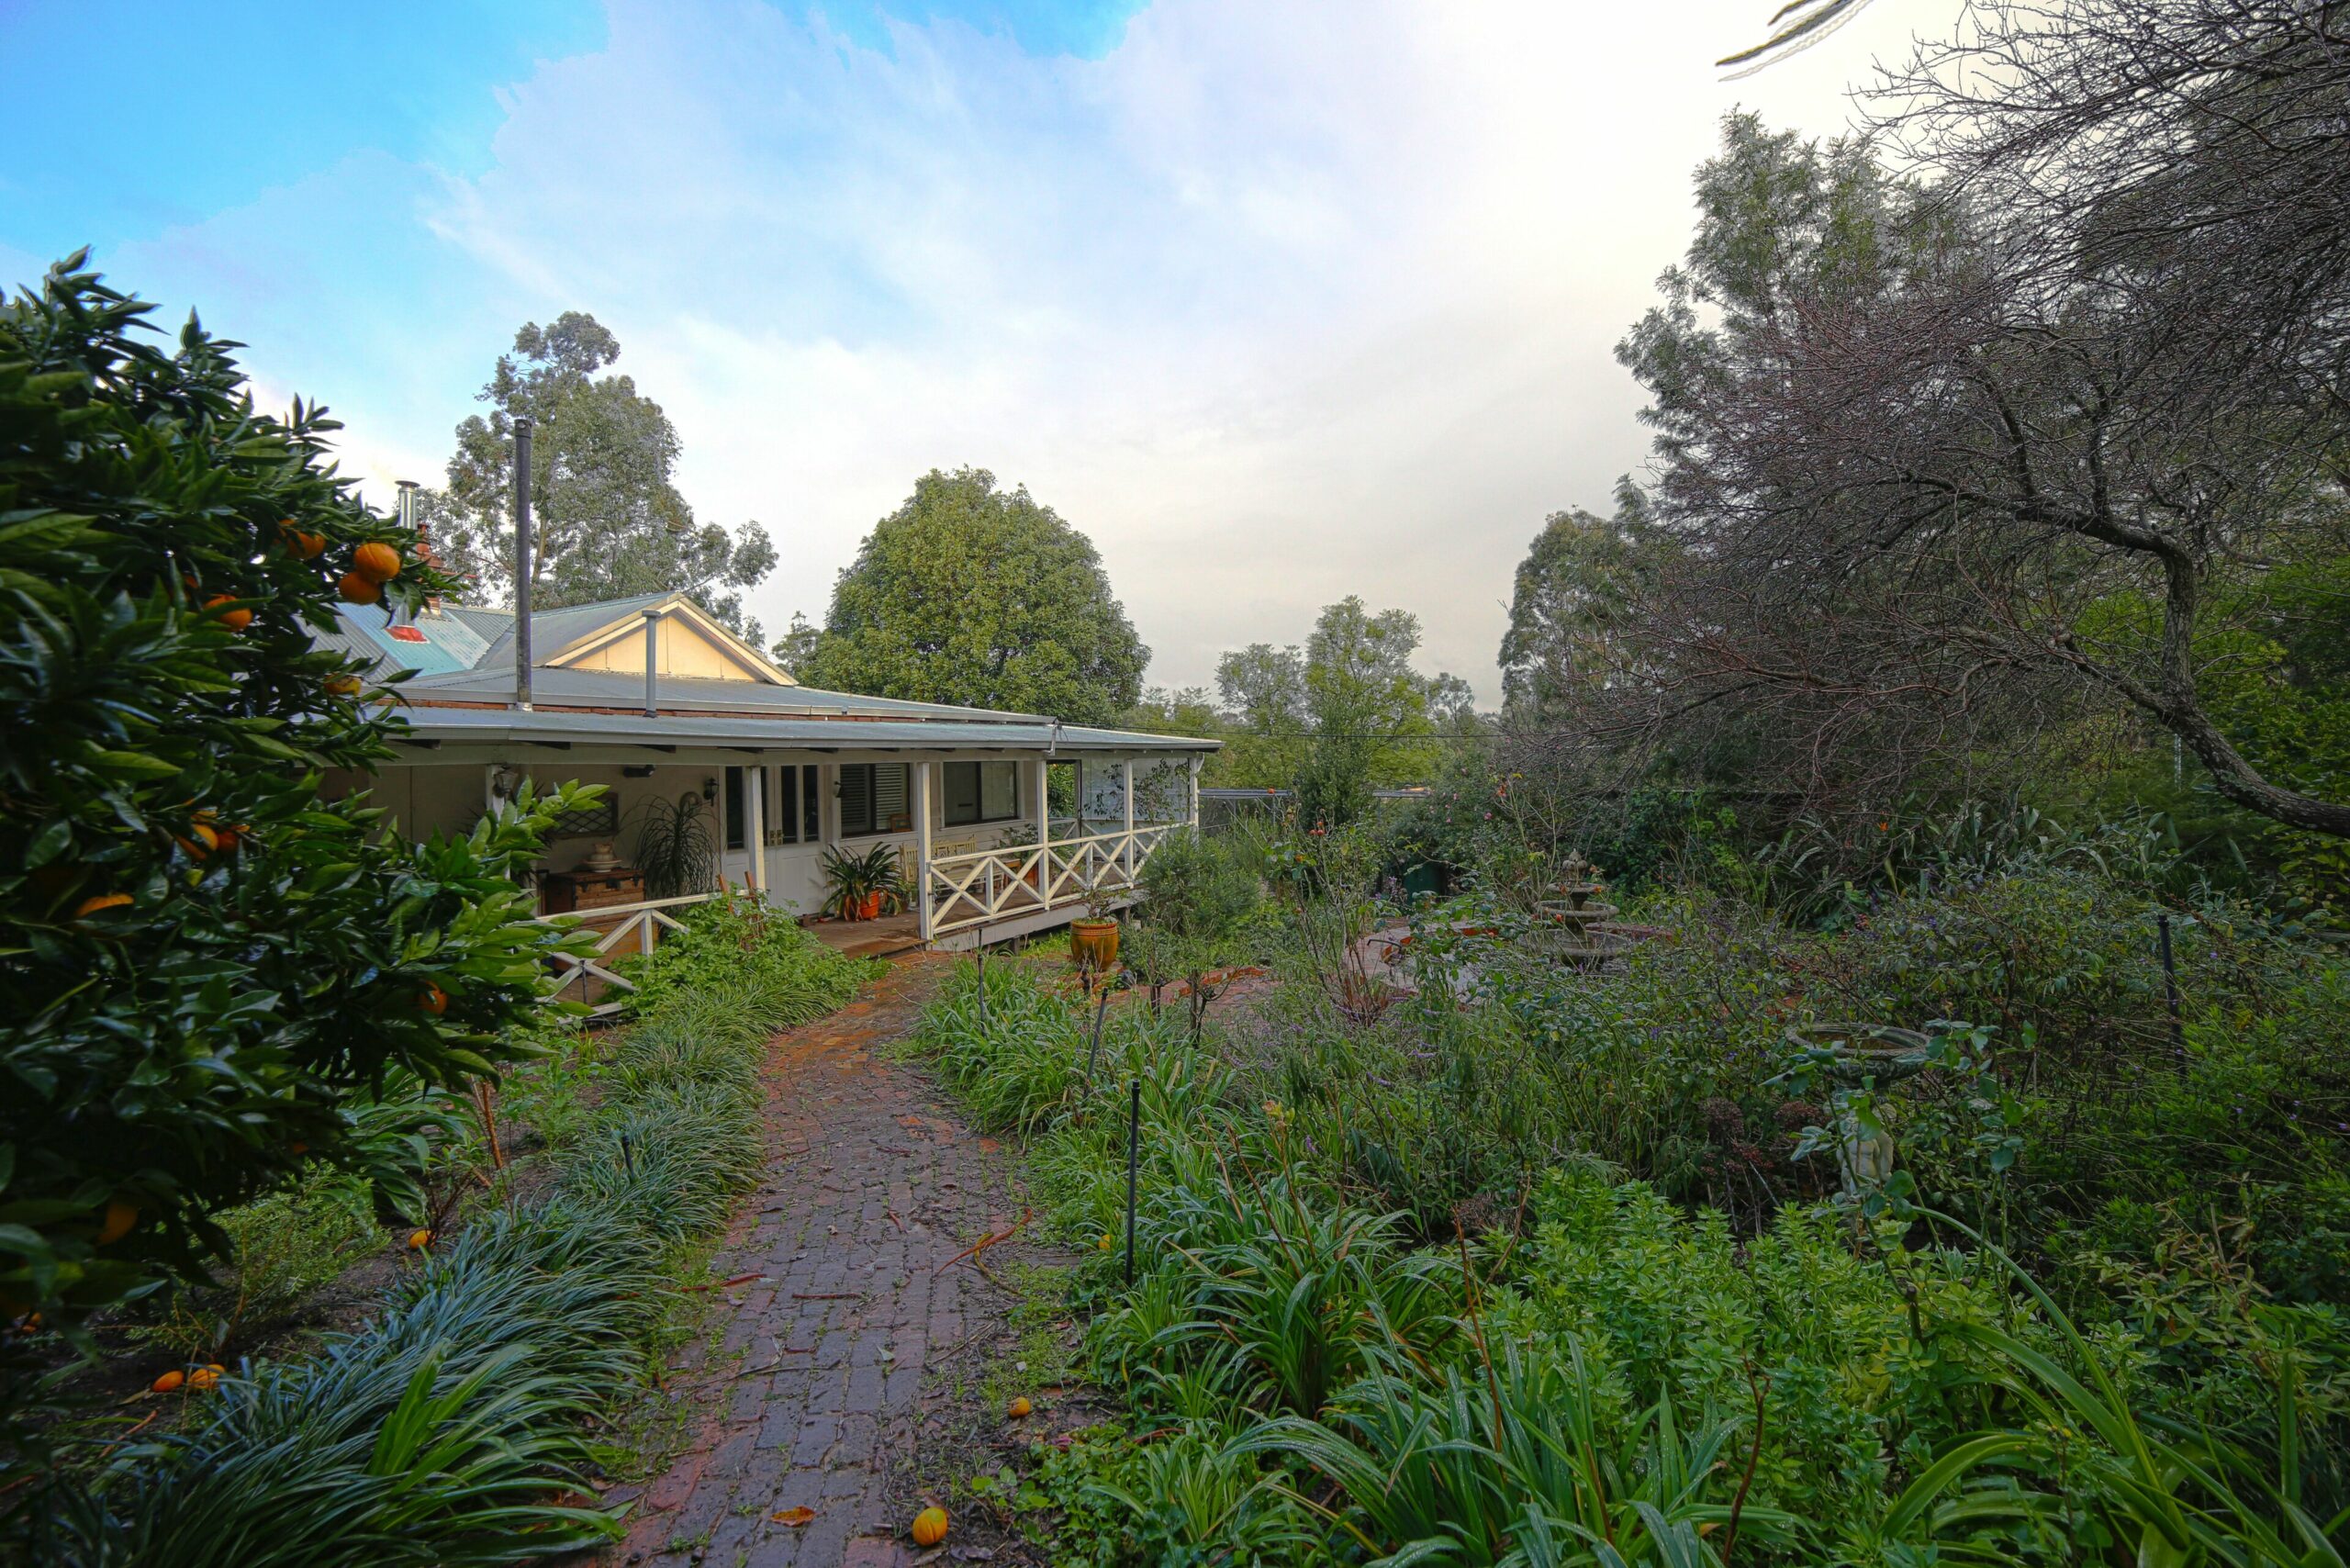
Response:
column 98, row 902
column 343, row 686
column 234, row 620
column 169, row 1383
column 302, row 541
column 434, row 1001
column 120, row 1217
column 930, row 1525
column 377, row 562
column 1021, row 1407
column 359, row 590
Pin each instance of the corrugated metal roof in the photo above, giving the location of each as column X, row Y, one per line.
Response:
column 573, row 726
column 553, row 630
column 467, row 656
column 450, row 642
column 611, row 689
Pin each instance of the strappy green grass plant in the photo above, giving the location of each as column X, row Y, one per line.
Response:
column 453, row 1427
column 1624, row 1386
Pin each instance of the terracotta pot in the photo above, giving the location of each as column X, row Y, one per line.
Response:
column 869, row 907
column 1094, row 943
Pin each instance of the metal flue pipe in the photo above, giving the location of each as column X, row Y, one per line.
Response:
column 523, row 564
column 652, row 664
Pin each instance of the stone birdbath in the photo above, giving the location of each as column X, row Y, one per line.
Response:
column 1570, row 925
column 1863, row 1054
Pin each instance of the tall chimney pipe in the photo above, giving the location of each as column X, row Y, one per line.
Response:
column 652, row 664
column 523, row 564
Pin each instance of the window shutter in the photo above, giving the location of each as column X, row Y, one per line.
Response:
column 888, row 794
column 857, row 799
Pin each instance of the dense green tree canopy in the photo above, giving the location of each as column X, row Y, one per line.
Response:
column 1581, row 578
column 975, row 595
column 1346, row 712
column 607, row 518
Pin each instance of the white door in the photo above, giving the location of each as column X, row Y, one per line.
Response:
column 795, row 836
column 795, row 876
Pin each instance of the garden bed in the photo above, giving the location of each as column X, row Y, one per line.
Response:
column 458, row 1420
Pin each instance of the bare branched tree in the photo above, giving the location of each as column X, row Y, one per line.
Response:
column 1951, row 456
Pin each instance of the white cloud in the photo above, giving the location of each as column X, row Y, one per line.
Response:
column 1277, row 303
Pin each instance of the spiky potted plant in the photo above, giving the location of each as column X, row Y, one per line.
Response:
column 863, row 887
column 1093, row 940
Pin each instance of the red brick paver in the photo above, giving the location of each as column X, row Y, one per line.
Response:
column 873, row 1184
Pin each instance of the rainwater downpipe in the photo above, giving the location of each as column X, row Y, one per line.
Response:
column 523, row 564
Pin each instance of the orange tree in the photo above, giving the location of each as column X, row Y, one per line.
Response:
column 202, row 962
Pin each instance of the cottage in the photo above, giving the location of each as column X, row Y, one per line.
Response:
column 1002, row 823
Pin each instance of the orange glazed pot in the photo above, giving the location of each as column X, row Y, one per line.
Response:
column 1094, row 943
column 869, row 907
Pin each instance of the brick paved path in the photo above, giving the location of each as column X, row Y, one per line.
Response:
column 873, row 1186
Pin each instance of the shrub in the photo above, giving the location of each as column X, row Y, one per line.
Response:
column 204, row 961
column 1626, row 1383
column 280, row 1249
column 450, row 1429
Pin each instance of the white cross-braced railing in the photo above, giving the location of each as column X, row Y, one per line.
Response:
column 645, row 922
column 980, row 886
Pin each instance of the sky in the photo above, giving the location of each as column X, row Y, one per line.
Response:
column 1276, row 302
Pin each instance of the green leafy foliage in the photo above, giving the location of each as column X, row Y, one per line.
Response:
column 452, row 1428
column 1346, row 712
column 677, row 847
column 280, row 1249
column 1201, row 899
column 201, row 961
column 850, row 878
column 972, row 595
column 1537, row 1360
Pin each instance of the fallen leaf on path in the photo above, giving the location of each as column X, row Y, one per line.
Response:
column 792, row 1516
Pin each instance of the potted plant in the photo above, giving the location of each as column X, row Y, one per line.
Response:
column 1094, row 941
column 863, row 887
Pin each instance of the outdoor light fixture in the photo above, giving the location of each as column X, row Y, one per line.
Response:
column 505, row 781
column 710, row 791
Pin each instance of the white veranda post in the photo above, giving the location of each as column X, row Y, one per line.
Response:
column 754, row 827
column 1126, row 799
column 923, row 773
column 1045, row 829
